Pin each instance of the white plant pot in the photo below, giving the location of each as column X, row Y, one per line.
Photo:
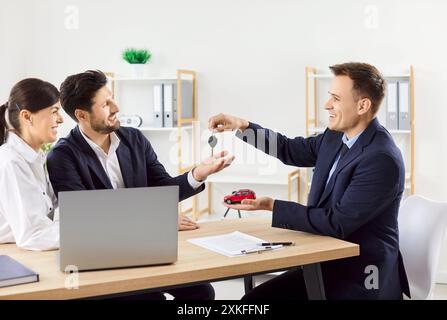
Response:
column 139, row 70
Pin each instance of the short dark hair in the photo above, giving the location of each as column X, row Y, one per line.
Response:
column 30, row 94
column 78, row 91
column 368, row 81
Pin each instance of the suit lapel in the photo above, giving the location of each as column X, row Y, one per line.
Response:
column 322, row 171
column 92, row 160
column 353, row 153
column 364, row 139
column 125, row 162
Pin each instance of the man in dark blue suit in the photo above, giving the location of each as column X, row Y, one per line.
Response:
column 356, row 189
column 100, row 154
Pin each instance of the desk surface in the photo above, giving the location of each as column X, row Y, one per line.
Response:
column 194, row 263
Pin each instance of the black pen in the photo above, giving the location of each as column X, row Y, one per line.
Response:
column 276, row 243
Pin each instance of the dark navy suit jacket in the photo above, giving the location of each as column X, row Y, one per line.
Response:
column 72, row 165
column 360, row 204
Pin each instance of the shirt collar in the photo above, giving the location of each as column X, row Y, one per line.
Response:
column 114, row 143
column 350, row 142
column 28, row 153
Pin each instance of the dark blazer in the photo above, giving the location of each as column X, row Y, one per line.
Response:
column 72, row 165
column 360, row 204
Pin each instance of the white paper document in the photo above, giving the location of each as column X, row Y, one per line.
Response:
column 233, row 244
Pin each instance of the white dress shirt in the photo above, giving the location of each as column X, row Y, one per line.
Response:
column 109, row 161
column 27, row 200
column 111, row 166
column 349, row 143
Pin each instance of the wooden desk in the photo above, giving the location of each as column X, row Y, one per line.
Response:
column 194, row 265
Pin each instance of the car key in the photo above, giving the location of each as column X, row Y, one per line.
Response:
column 212, row 141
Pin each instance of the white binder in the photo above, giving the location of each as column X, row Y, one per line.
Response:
column 158, row 106
column 187, row 99
column 391, row 106
column 404, row 105
column 382, row 113
column 168, row 102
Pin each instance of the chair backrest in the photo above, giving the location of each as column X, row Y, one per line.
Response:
column 422, row 224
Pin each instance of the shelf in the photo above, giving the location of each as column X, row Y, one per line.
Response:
column 317, row 130
column 163, row 129
column 399, row 131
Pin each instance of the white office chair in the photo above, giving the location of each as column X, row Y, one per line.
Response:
column 422, row 224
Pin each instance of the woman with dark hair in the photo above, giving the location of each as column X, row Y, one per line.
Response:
column 27, row 121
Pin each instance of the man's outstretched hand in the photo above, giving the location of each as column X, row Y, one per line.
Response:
column 263, row 203
column 212, row 165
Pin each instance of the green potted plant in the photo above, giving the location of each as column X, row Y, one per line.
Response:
column 137, row 58
column 46, row 147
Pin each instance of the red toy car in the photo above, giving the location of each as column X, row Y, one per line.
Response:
column 238, row 196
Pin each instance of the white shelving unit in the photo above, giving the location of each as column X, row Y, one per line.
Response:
column 144, row 108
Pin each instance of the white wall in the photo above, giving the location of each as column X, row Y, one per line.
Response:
column 250, row 55
column 13, row 45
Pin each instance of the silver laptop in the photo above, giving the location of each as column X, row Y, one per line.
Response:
column 102, row 229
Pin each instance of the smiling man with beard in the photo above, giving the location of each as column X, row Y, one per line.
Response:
column 100, row 154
